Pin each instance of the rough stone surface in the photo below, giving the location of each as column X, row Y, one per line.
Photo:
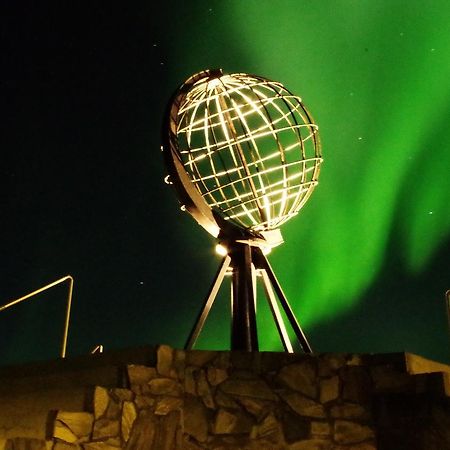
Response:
column 269, row 429
column 300, row 377
column 216, row 376
column 248, row 388
column 105, row 428
column 311, row 444
column 346, row 432
column 227, row 422
column 349, row 411
column 129, row 415
column 144, row 401
column 329, row 389
column 164, row 386
column 204, row 390
column 121, row 395
column 356, row 384
column 101, row 400
column 164, row 357
column 242, row 401
column 166, row 405
column 330, row 363
column 302, row 405
column 320, row 429
column 100, row 446
column 20, row 443
column 60, row 445
column 73, row 426
column 139, row 375
column 195, row 419
column 145, row 428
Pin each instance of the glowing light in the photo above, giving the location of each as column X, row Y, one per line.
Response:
column 249, row 147
column 221, row 250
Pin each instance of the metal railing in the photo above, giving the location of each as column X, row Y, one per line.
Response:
column 68, row 307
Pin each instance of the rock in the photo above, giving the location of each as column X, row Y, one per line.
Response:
column 311, row 444
column 113, row 442
column 129, row 415
column 295, row 428
column 73, row 426
column 120, row 394
column 143, row 433
column 168, row 436
column 168, row 404
column 59, row 445
column 199, row 358
column 329, row 389
column 113, row 410
column 195, row 419
column 144, row 401
column 346, row 432
column 101, row 400
column 355, row 360
column 330, row 363
column 204, row 390
column 388, row 379
column 22, row 443
column 254, row 406
column 216, row 376
column 320, row 429
column 164, row 386
column 140, row 374
column 357, row 385
column 179, row 363
column 269, row 429
column 349, row 411
column 105, row 428
column 60, row 431
column 222, row 360
column 300, row 377
column 249, row 361
column 248, row 388
column 362, row 446
column 225, row 401
column 164, row 358
column 302, row 405
column 190, row 385
column 100, row 446
column 231, row 423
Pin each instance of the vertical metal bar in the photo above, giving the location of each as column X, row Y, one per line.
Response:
column 196, row 330
column 67, row 321
column 255, row 288
column 276, row 313
column 243, row 332
column 447, row 298
column 285, row 304
column 68, row 307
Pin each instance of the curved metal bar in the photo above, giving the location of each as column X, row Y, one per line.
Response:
column 68, row 307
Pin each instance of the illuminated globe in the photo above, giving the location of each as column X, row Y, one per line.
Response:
column 248, row 146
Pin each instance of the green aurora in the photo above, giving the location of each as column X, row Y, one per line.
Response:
column 375, row 76
column 365, row 264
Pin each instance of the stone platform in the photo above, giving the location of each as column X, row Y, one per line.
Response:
column 158, row 398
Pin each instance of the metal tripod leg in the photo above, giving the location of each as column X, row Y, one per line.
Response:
column 196, row 330
column 276, row 313
column 264, row 264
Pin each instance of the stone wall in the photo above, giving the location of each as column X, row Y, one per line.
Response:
column 262, row 401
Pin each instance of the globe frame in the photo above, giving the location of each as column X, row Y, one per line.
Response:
column 267, row 196
column 244, row 257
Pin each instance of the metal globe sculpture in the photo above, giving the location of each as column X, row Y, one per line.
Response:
column 243, row 154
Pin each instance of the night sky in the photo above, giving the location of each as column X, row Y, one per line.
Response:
column 84, row 87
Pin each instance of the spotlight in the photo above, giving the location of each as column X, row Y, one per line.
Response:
column 243, row 154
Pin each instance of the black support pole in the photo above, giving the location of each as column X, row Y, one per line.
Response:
column 243, row 324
